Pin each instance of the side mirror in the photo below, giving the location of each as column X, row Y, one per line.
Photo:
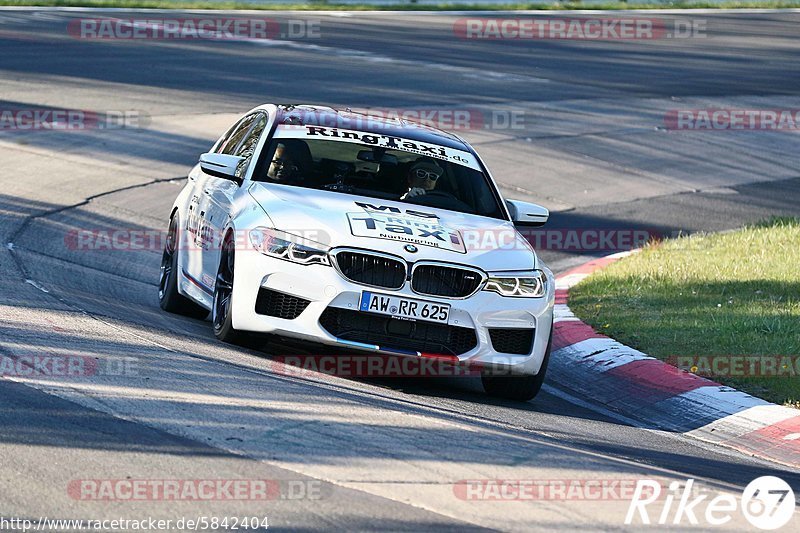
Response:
column 527, row 214
column 228, row 167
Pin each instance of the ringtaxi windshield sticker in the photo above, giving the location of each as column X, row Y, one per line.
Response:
column 412, row 230
column 436, row 151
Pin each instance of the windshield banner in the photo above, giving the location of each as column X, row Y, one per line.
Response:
column 391, row 142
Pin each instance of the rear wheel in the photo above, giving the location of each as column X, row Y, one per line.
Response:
column 222, row 311
column 168, row 296
column 520, row 388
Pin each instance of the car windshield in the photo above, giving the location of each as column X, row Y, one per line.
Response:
column 373, row 169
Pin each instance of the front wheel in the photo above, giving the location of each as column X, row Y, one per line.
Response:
column 168, row 296
column 222, row 310
column 520, row 388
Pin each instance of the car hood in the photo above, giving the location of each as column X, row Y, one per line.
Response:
column 413, row 232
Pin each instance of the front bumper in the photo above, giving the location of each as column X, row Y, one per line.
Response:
column 323, row 287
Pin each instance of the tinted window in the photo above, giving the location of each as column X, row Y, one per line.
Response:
column 365, row 170
column 248, row 146
column 229, row 145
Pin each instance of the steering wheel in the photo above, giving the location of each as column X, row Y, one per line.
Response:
column 440, row 194
column 446, row 201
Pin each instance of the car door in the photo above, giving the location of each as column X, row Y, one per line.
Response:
column 200, row 239
column 220, row 192
column 192, row 258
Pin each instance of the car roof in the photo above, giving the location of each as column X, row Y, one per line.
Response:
column 379, row 123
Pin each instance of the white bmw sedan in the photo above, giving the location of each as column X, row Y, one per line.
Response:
column 370, row 234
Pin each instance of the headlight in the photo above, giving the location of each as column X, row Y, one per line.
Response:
column 532, row 284
column 282, row 245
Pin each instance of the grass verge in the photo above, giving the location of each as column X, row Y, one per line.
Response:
column 729, row 301
column 400, row 6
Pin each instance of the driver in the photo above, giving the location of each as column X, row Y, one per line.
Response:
column 282, row 167
column 422, row 177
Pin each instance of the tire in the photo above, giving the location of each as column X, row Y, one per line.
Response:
column 221, row 311
column 520, row 388
column 168, row 296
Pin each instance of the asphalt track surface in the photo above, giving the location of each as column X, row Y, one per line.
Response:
column 383, row 454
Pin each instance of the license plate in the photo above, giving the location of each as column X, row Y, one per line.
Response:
column 408, row 308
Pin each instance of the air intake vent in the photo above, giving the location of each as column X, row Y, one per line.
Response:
column 371, row 269
column 279, row 305
column 451, row 282
column 419, row 336
column 516, row 340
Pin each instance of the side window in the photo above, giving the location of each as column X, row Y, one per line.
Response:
column 248, row 145
column 229, row 145
column 218, row 146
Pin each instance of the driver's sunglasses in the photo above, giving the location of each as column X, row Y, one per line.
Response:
column 423, row 174
column 280, row 162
